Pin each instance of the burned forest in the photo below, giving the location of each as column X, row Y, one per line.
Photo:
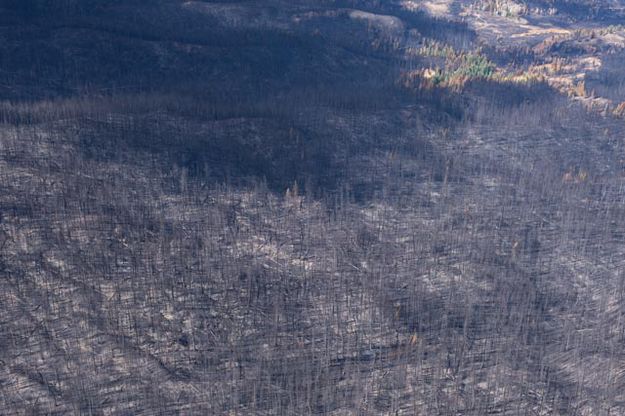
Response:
column 312, row 207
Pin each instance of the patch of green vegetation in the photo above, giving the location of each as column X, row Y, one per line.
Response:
column 462, row 68
column 459, row 66
column 475, row 66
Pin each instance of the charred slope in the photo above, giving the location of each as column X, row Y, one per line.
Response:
column 270, row 221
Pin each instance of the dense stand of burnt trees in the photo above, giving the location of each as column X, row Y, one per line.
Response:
column 319, row 244
column 447, row 280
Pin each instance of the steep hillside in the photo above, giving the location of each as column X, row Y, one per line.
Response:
column 311, row 207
